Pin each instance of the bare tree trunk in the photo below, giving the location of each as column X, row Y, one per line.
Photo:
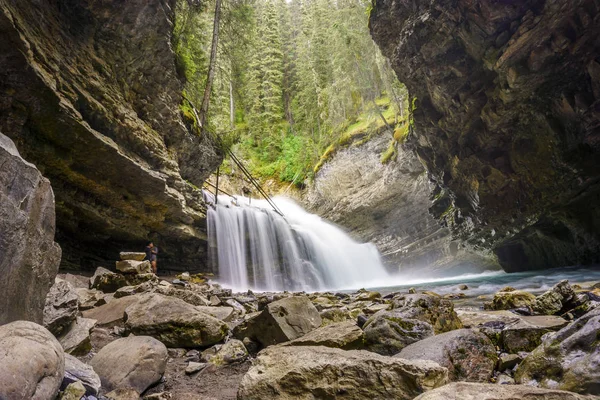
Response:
column 231, row 109
column 382, row 117
column 211, row 66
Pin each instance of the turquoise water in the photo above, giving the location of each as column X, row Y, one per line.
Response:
column 490, row 282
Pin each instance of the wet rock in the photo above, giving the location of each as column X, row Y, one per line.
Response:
column 232, row 351
column 75, row 391
column 463, row 287
column 173, row 321
column 468, row 355
column 558, row 300
column 61, row 307
column 76, row 340
column 509, row 300
column 314, row 372
column 134, row 267
column 89, row 298
column 77, row 371
column 280, row 321
column 133, row 362
column 29, row 257
column 487, row 391
column 341, row 335
column 133, row 256
column 32, row 362
column 567, row 359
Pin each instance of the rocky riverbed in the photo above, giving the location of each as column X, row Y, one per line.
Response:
column 134, row 335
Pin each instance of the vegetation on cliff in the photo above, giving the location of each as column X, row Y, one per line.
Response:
column 294, row 80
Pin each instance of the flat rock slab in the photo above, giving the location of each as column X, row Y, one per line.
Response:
column 222, row 313
column 134, row 362
column 305, row 372
column 341, row 335
column 131, row 255
column 32, row 362
column 487, row 391
column 111, row 312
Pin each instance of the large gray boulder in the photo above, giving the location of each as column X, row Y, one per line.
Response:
column 173, row 321
column 280, row 321
column 567, row 359
column 76, row 340
column 341, row 335
column 487, row 391
column 304, row 372
column 32, row 362
column 61, row 307
column 469, row 355
column 29, row 256
column 134, row 362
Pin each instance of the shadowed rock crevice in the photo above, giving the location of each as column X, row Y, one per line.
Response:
column 506, row 120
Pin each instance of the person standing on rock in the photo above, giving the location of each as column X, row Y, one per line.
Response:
column 151, row 253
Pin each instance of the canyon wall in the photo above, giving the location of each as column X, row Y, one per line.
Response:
column 90, row 94
column 507, row 120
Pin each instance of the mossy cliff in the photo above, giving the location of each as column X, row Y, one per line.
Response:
column 90, row 94
column 506, row 120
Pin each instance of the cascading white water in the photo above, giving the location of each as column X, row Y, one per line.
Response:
column 255, row 248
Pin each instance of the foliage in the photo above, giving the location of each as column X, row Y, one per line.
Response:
column 296, row 80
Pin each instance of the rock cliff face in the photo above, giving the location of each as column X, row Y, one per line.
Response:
column 507, row 120
column 29, row 257
column 89, row 93
column 389, row 206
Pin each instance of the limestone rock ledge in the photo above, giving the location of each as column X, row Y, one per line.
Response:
column 506, row 120
column 388, row 205
column 90, row 94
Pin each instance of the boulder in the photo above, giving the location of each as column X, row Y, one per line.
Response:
column 173, row 321
column 388, row 332
column 29, row 257
column 89, row 298
column 430, row 308
column 305, row 372
column 222, row 313
column 109, row 282
column 76, row 340
column 469, row 355
column 510, row 300
column 567, row 359
column 32, row 362
column 61, row 307
column 133, row 256
column 134, row 362
column 134, row 267
column 112, row 312
column 342, row 335
column 77, row 371
column 280, row 321
column 487, row 391
column 558, row 300
column 526, row 333
column 186, row 295
column 231, row 352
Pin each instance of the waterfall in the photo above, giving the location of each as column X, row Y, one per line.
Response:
column 253, row 247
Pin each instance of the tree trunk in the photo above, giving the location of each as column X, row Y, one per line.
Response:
column 231, row 108
column 211, row 66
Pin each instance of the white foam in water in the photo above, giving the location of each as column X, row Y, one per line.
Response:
column 256, row 248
